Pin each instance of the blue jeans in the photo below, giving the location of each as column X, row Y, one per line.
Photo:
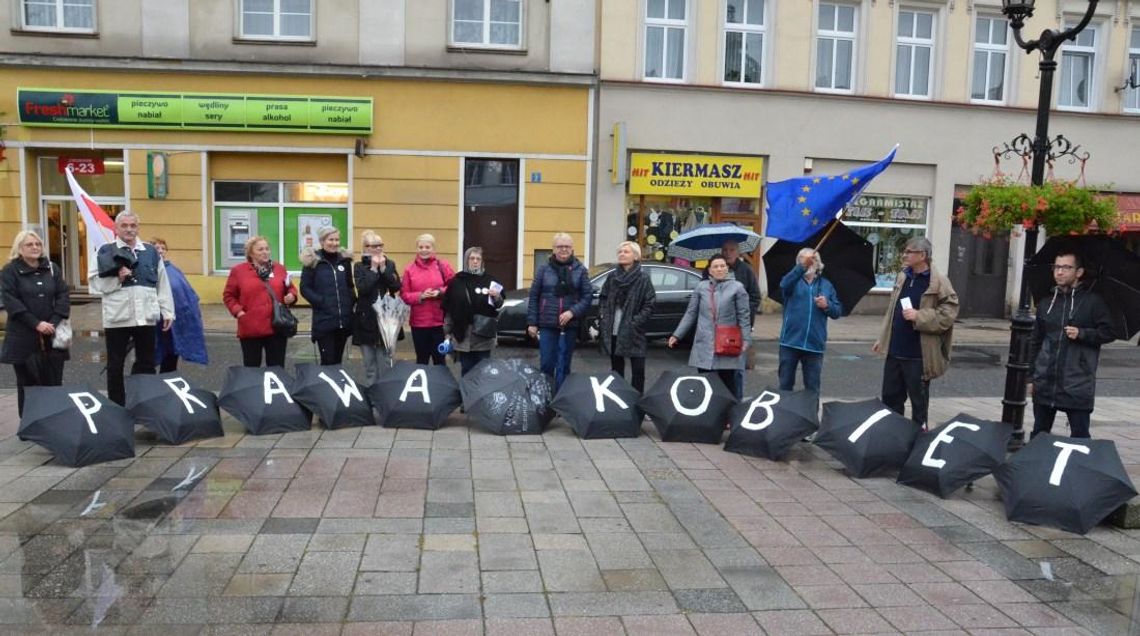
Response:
column 555, row 348
column 812, row 368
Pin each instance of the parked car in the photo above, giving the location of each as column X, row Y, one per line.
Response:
column 672, row 283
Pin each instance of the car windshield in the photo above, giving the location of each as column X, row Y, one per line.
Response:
column 600, row 269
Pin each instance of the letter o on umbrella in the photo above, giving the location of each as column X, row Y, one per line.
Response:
column 688, row 406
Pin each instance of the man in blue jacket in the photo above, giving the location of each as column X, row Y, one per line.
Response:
column 560, row 296
column 809, row 300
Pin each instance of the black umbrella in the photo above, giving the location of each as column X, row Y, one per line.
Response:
column 415, row 395
column 1111, row 270
column 170, row 407
column 330, row 393
column 109, row 262
column 769, row 425
column 77, row 424
column 599, row 406
column 259, row 398
column 865, row 436
column 507, row 396
column 848, row 257
column 957, row 453
column 687, row 406
column 1064, row 482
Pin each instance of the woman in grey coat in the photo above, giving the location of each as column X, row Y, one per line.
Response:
column 626, row 303
column 731, row 309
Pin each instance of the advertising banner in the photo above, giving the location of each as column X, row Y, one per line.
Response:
column 695, row 175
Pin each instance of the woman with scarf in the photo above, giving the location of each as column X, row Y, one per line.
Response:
column 375, row 276
column 326, row 282
column 186, row 338
column 471, row 307
column 248, row 299
column 625, row 304
column 560, row 295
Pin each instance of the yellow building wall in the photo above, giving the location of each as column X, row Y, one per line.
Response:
column 177, row 219
column 9, row 201
column 557, row 204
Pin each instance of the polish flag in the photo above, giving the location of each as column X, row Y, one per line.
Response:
column 100, row 227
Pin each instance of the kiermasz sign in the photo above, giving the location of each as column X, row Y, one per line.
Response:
column 695, row 175
column 194, row 111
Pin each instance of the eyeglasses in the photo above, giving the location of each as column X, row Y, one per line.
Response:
column 1063, row 268
column 913, row 252
column 373, row 245
column 563, row 247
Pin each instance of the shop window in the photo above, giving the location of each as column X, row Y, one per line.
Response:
column 277, row 20
column 745, row 31
column 1078, row 62
column 914, row 53
column 991, row 51
column 666, row 22
column 887, row 222
column 487, row 23
column 835, row 47
column 66, row 16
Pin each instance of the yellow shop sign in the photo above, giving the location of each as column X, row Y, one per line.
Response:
column 695, row 175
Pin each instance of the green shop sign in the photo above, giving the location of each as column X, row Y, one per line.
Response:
column 194, row 111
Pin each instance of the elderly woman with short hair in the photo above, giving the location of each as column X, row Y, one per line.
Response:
column 250, row 291
column 326, row 282
column 471, row 308
column 375, row 275
column 809, row 300
column 425, row 281
column 626, row 303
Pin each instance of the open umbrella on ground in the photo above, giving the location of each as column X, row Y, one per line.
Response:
column 415, row 396
column 687, row 406
column 599, row 406
column 957, row 453
column 1111, row 270
column 705, row 241
column 507, row 396
column 173, row 409
column 771, row 423
column 865, row 436
column 391, row 314
column 1064, row 482
column 259, row 398
column 77, row 424
column 848, row 258
column 330, row 393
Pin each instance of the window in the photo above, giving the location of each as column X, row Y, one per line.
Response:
column 487, row 23
column 744, row 31
column 277, row 19
column 665, row 24
column 835, row 48
column 1077, row 65
column 991, row 50
column 1132, row 95
column 77, row 16
column 914, row 53
column 887, row 222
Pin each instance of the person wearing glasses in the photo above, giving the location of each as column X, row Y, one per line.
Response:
column 560, row 296
column 1067, row 336
column 917, row 331
column 375, row 274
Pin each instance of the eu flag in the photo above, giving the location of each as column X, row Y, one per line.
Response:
column 801, row 206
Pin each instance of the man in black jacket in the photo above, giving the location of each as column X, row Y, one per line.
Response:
column 1071, row 326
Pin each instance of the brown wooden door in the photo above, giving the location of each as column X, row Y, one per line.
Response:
column 491, row 215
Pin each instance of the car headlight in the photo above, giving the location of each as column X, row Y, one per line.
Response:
column 515, row 302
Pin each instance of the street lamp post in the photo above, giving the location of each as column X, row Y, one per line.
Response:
column 1021, row 329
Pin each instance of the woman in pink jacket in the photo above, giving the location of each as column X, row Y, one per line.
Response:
column 425, row 280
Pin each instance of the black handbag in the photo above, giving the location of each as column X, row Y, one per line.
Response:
column 283, row 321
column 484, row 326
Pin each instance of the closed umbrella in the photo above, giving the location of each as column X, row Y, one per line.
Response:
column 172, row 408
column 865, row 436
column 1064, row 482
column 599, row 406
column 706, row 241
column 507, row 396
column 391, row 314
column 330, row 393
column 957, row 453
column 77, row 424
column 771, row 423
column 687, row 406
column 849, row 261
column 259, row 398
column 413, row 395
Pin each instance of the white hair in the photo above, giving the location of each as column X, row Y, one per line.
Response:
column 817, row 262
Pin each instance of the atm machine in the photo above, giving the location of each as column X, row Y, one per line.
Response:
column 238, row 225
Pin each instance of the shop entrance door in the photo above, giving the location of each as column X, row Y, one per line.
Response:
column 491, row 216
column 978, row 273
column 67, row 237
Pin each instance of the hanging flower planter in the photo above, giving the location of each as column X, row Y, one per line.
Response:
column 1062, row 207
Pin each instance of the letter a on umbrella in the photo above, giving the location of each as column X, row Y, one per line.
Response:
column 865, row 436
column 769, row 425
column 599, row 406
column 173, row 409
column 332, row 394
column 415, row 396
column 957, row 453
column 77, row 424
column 259, row 398
column 688, row 406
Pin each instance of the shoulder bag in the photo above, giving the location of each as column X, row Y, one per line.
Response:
column 283, row 321
column 729, row 341
column 62, row 337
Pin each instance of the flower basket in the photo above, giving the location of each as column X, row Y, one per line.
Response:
column 1062, row 207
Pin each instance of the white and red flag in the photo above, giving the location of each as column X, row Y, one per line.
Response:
column 100, row 227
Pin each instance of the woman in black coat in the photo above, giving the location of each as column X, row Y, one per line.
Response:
column 625, row 304
column 326, row 282
column 376, row 274
column 36, row 299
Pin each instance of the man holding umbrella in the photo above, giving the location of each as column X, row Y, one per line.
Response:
column 1071, row 326
column 917, row 330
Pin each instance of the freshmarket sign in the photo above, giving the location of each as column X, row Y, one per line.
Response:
column 695, row 175
column 194, row 111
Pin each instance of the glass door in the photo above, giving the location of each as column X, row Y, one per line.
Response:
column 67, row 237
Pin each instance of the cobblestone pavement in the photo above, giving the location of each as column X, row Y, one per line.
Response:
column 382, row 531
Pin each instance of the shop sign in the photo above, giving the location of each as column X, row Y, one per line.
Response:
column 695, row 175
column 892, row 210
column 194, row 111
column 157, row 176
column 1129, row 206
column 81, row 165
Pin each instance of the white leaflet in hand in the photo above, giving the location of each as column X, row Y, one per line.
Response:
column 495, row 287
column 906, row 304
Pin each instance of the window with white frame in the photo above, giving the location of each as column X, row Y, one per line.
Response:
column 1132, row 95
column 914, row 53
column 666, row 22
column 835, row 47
column 1078, row 64
column 487, row 23
column 744, row 37
column 77, row 16
column 277, row 19
column 991, row 54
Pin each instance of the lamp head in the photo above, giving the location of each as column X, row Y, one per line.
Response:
column 1017, row 10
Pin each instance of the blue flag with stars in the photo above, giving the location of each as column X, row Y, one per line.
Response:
column 801, row 206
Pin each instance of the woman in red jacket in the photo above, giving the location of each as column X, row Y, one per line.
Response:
column 248, row 300
column 425, row 280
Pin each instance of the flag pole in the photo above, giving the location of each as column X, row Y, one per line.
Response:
column 830, row 228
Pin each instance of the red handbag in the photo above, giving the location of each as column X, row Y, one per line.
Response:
column 728, row 339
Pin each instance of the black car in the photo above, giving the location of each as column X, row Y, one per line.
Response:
column 672, row 283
